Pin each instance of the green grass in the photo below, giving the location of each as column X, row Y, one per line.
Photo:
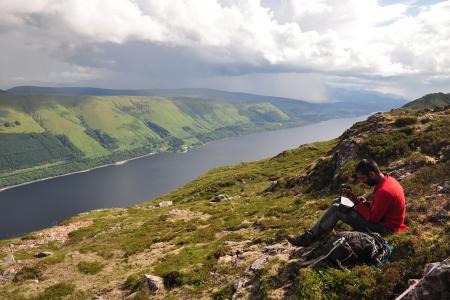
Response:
column 90, row 267
column 27, row 124
column 56, row 292
column 59, row 120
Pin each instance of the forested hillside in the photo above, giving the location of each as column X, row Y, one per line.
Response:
column 45, row 135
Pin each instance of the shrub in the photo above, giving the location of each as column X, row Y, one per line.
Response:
column 173, row 279
column 405, row 121
column 132, row 281
column 17, row 123
column 28, row 273
column 360, row 283
column 347, row 172
column 221, row 251
column 225, row 293
column 387, row 147
column 90, row 268
column 29, row 236
column 57, row 291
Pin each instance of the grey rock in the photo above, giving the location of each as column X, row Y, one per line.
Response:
column 153, row 284
column 9, row 272
column 275, row 249
column 43, row 254
column 272, row 187
column 445, row 153
column 9, row 258
column 165, row 203
column 257, row 265
column 434, row 285
column 446, row 187
column 220, row 198
column 241, row 283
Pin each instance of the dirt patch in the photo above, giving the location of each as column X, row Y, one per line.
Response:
column 57, row 233
column 186, row 215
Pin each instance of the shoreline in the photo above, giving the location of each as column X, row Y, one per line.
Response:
column 119, row 163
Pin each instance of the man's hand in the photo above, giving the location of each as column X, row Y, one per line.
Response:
column 360, row 199
column 348, row 192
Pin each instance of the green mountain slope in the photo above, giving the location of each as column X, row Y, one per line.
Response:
column 430, row 101
column 96, row 130
column 204, row 250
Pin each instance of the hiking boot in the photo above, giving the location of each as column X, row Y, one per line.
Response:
column 303, row 240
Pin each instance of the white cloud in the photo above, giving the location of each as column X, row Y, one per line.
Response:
column 340, row 37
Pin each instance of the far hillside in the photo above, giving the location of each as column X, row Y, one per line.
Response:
column 340, row 100
column 430, row 101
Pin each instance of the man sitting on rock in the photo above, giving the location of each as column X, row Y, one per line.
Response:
column 385, row 214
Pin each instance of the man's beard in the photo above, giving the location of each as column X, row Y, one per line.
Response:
column 371, row 182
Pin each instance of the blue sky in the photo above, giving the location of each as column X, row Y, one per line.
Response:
column 291, row 48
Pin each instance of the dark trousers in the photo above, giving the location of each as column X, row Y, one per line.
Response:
column 347, row 215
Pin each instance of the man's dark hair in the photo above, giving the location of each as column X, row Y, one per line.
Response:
column 367, row 165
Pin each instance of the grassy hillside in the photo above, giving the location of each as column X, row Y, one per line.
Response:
column 430, row 101
column 94, row 130
column 202, row 250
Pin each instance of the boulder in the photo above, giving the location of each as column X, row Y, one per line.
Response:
column 446, row 187
column 165, row 203
column 43, row 254
column 445, row 153
column 241, row 283
column 8, row 259
column 8, row 274
column 276, row 249
column 257, row 265
column 272, row 187
column 152, row 284
column 220, row 198
column 434, row 285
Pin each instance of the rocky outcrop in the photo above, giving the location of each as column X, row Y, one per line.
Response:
column 9, row 259
column 59, row 234
column 445, row 156
column 324, row 174
column 220, row 198
column 258, row 259
column 434, row 285
column 149, row 287
column 154, row 284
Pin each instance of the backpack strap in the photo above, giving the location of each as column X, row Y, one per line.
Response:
column 336, row 244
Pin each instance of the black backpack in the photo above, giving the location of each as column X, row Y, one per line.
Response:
column 349, row 248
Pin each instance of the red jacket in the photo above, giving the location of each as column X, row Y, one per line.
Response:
column 388, row 205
